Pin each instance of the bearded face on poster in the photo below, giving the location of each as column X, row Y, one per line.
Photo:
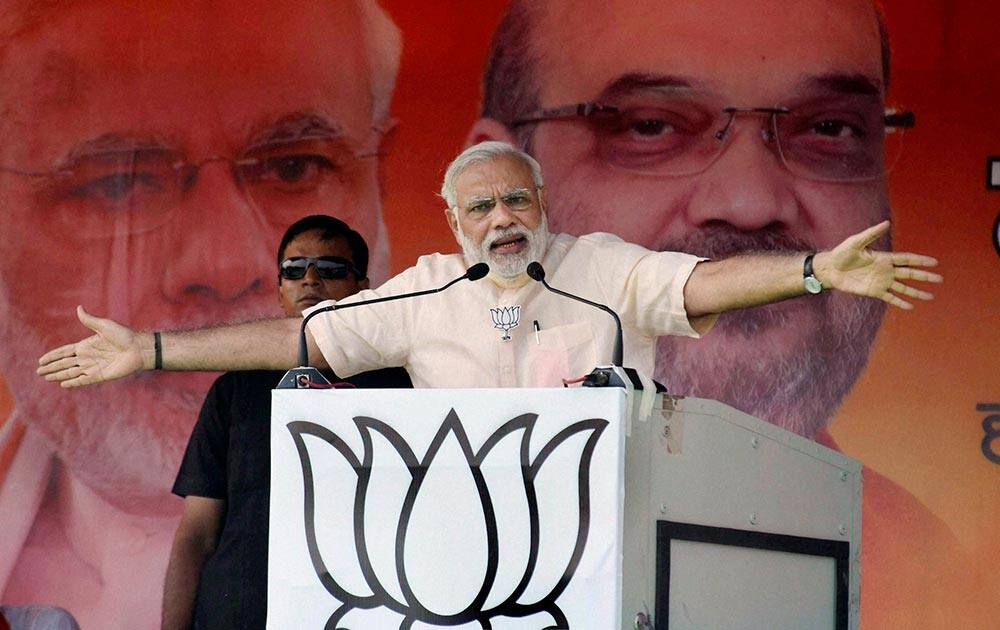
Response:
column 718, row 127
column 153, row 156
column 688, row 135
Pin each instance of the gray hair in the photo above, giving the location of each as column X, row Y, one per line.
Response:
column 383, row 48
column 484, row 152
column 510, row 86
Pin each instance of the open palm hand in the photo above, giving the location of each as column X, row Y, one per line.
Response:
column 853, row 268
column 112, row 352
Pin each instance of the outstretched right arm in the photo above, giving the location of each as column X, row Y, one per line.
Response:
column 114, row 351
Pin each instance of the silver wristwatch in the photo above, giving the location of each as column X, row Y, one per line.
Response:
column 809, row 279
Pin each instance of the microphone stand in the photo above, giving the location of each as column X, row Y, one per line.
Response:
column 304, row 376
column 615, row 375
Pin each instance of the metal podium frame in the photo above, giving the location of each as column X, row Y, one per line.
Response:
column 700, row 470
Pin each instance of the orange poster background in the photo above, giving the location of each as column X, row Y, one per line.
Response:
column 913, row 414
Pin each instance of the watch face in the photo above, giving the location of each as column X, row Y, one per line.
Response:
column 812, row 283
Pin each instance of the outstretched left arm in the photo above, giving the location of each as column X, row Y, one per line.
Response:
column 756, row 279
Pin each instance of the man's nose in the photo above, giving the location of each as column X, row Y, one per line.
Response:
column 502, row 216
column 747, row 187
column 220, row 241
column 311, row 279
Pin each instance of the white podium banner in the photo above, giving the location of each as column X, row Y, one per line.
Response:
column 487, row 508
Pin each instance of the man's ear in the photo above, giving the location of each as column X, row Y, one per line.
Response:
column 489, row 129
column 364, row 283
column 452, row 221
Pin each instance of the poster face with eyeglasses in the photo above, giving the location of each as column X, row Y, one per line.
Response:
column 153, row 157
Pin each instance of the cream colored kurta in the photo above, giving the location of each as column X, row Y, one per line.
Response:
column 449, row 339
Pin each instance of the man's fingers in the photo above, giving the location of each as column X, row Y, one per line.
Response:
column 905, row 273
column 59, row 353
column 59, row 365
column 66, row 374
column 88, row 320
column 906, row 259
column 894, row 300
column 899, row 287
column 867, row 237
column 79, row 381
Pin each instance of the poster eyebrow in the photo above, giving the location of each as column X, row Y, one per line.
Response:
column 123, row 142
column 846, row 84
column 295, row 126
column 628, row 84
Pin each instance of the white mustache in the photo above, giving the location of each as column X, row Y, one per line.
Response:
column 502, row 233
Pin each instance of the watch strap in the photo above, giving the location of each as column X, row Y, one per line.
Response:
column 811, row 283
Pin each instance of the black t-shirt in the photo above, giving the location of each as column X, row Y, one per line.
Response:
column 229, row 457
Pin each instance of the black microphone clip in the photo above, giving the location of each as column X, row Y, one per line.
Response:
column 617, row 376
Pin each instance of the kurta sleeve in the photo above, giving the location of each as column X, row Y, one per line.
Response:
column 645, row 287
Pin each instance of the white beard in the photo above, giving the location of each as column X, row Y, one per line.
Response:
column 507, row 265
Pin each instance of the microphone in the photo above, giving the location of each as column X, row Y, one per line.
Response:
column 477, row 271
column 473, row 273
column 537, row 272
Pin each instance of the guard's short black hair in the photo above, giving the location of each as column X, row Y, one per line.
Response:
column 330, row 228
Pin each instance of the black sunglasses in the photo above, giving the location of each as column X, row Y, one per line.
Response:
column 327, row 267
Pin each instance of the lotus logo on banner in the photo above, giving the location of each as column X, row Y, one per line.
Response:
column 454, row 536
column 506, row 318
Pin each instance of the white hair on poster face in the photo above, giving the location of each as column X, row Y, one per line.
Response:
column 384, row 45
column 383, row 49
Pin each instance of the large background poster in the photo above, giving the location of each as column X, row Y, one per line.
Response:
column 85, row 514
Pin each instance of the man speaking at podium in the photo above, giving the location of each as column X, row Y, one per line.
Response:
column 496, row 208
column 484, row 333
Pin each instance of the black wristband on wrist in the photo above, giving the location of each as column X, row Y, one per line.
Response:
column 157, row 351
